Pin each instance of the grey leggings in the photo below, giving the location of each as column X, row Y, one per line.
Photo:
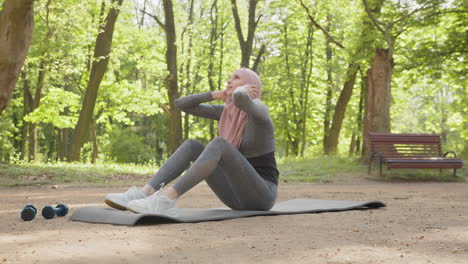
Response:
column 224, row 168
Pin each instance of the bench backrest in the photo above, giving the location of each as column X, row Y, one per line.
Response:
column 405, row 145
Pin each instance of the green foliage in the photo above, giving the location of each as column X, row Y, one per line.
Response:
column 119, row 100
column 127, row 147
column 7, row 130
column 53, row 105
column 429, row 87
column 10, row 130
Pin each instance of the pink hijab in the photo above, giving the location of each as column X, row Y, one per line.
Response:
column 233, row 120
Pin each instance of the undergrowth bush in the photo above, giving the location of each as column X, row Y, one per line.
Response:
column 127, row 147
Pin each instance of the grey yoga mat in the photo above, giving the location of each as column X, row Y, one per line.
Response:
column 192, row 215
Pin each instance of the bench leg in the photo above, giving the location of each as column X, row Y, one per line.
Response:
column 454, row 172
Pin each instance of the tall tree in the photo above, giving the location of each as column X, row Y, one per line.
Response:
column 246, row 44
column 35, row 102
column 171, row 82
column 340, row 109
column 217, row 28
column 306, row 73
column 213, row 40
column 328, row 100
column 189, row 78
column 355, row 145
column 16, row 26
column 101, row 58
column 332, row 128
column 379, row 76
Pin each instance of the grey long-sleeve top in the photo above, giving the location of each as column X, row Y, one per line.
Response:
column 258, row 138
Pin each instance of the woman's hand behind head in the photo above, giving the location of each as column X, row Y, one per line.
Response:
column 253, row 91
column 219, row 95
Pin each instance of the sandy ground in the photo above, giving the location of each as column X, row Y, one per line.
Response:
column 423, row 223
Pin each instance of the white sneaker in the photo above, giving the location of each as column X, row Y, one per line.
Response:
column 120, row 200
column 154, row 204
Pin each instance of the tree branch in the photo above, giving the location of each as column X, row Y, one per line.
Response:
column 408, row 15
column 237, row 22
column 376, row 22
column 223, row 29
column 319, row 27
column 252, row 22
column 161, row 24
column 404, row 19
column 259, row 56
column 258, row 20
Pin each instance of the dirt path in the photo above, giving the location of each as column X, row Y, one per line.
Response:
column 423, row 223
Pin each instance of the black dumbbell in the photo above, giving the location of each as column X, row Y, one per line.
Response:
column 28, row 213
column 48, row 212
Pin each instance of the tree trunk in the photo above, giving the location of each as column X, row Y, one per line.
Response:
column 306, row 75
column 16, row 26
column 61, row 147
column 27, row 104
column 175, row 119
column 32, row 142
column 64, row 133
column 99, row 66
column 94, row 154
column 38, row 92
column 213, row 131
column 52, row 145
column 246, row 45
column 64, row 144
column 326, row 119
column 377, row 109
column 356, row 137
column 39, row 85
column 340, row 109
column 24, row 139
column 32, row 137
column 211, row 58
column 142, row 19
column 292, row 134
column 188, row 82
column 35, row 104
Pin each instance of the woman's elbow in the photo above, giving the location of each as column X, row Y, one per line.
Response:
column 179, row 103
column 239, row 98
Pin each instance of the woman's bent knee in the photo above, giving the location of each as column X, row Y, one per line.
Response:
column 192, row 142
column 193, row 147
column 219, row 140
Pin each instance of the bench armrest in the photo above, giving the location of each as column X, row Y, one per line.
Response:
column 450, row 152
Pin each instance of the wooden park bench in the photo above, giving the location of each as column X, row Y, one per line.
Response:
column 413, row 151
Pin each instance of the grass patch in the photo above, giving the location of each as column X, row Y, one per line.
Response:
column 326, row 169
column 422, row 175
column 318, row 169
column 323, row 169
column 61, row 172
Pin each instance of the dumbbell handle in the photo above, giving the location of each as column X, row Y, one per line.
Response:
column 48, row 212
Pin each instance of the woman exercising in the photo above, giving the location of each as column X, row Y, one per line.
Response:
column 239, row 165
